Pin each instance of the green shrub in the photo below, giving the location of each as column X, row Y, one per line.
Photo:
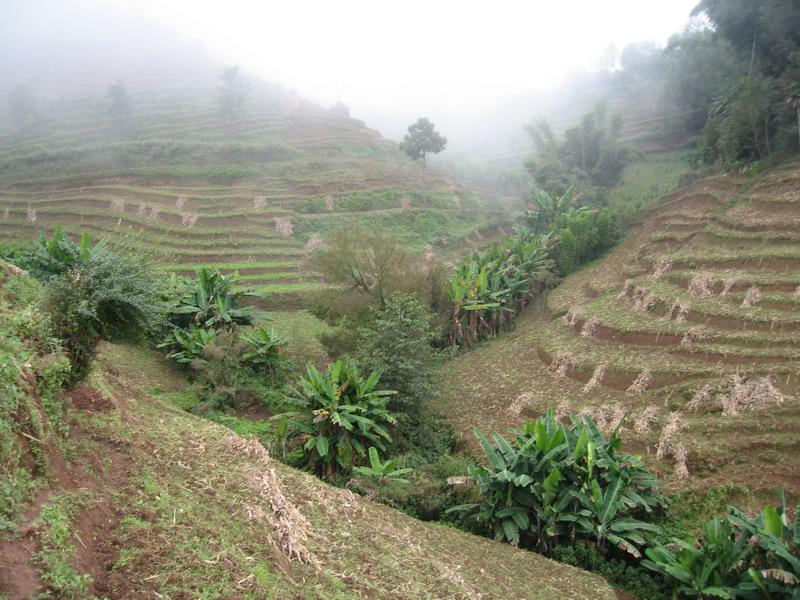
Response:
column 33, row 371
column 339, row 415
column 108, row 296
column 265, row 351
column 554, row 483
column 396, row 341
column 223, row 378
column 431, row 492
column 581, row 235
column 619, row 571
column 47, row 258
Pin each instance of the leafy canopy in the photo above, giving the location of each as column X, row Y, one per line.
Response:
column 421, row 139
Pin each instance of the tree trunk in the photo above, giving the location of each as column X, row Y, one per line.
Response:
column 766, row 135
column 753, row 51
column 798, row 125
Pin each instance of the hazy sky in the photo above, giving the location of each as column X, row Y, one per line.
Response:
column 414, row 54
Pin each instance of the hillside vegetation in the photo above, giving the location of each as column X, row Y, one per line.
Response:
column 177, row 180
column 133, row 496
column 688, row 329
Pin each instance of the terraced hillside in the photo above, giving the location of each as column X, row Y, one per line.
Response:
column 185, row 186
column 151, row 501
column 690, row 329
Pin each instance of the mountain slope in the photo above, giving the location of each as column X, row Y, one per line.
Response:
column 689, row 328
column 180, row 183
column 160, row 502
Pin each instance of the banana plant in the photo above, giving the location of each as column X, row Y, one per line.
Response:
column 46, row 258
column 490, row 287
column 554, row 483
column 265, row 349
column 340, row 413
column 188, row 344
column 602, row 517
column 736, row 557
column 382, row 470
column 210, row 300
column 775, row 573
column 703, row 569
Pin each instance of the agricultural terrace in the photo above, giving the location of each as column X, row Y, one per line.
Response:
column 186, row 187
column 689, row 329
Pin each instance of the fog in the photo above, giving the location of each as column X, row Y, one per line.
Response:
column 479, row 70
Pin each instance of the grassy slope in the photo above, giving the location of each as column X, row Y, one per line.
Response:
column 165, row 503
column 186, row 187
column 723, row 226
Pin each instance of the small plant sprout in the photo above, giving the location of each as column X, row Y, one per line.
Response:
column 382, row 471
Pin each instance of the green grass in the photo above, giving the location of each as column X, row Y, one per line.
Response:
column 648, row 178
column 302, row 329
column 54, row 555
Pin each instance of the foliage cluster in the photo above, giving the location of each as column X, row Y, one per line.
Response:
column 554, row 484
column 737, row 83
column 340, row 415
column 33, row 369
column 421, row 139
column 589, row 157
column 109, row 296
column 735, row 557
column 92, row 292
column 431, row 491
column 232, row 364
column 490, row 287
column 582, row 235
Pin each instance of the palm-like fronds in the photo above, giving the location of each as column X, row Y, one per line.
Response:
column 554, row 483
column 340, row 413
column 493, row 285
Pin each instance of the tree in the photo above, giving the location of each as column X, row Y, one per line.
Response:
column 107, row 295
column 20, row 107
column 764, row 34
column 589, row 157
column 422, row 138
column 748, row 119
column 697, row 64
column 372, row 262
column 397, row 342
column 232, row 93
column 793, row 100
column 119, row 105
